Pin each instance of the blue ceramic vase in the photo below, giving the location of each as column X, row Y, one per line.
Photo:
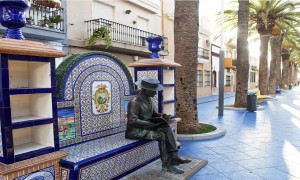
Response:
column 154, row 45
column 12, row 16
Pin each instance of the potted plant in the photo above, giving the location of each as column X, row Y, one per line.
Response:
column 99, row 34
column 48, row 3
column 29, row 20
column 44, row 22
column 55, row 20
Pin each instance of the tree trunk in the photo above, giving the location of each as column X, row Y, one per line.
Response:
column 186, row 29
column 242, row 55
column 263, row 64
column 278, row 65
column 275, row 59
column 290, row 73
column 285, row 69
column 295, row 74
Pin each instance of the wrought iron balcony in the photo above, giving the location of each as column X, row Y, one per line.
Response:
column 203, row 55
column 44, row 14
column 123, row 33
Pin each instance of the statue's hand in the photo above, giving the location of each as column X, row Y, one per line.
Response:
column 158, row 120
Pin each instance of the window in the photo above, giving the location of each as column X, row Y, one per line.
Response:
column 199, row 78
column 252, row 76
column 207, row 78
column 100, row 10
column 228, row 80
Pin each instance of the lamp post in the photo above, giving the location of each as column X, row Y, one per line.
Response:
column 221, row 65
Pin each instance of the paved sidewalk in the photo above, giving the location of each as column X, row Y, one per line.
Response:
column 258, row 145
column 207, row 105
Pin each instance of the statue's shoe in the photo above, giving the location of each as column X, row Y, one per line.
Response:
column 178, row 160
column 172, row 169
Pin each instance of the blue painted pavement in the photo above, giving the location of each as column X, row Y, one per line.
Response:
column 258, row 145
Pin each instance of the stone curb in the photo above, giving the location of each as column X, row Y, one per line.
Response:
column 205, row 136
column 258, row 108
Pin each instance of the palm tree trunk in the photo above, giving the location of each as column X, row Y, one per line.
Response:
column 278, row 65
column 275, row 59
column 186, row 29
column 285, row 69
column 290, row 74
column 263, row 64
column 242, row 55
column 295, row 74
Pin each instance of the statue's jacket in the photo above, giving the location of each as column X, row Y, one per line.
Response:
column 139, row 114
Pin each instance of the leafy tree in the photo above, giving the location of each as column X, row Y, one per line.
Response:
column 263, row 16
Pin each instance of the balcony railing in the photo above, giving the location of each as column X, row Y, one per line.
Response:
column 123, row 33
column 42, row 16
column 203, row 53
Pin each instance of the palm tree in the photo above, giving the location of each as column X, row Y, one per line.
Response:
column 266, row 14
column 275, row 41
column 186, row 29
column 262, row 16
column 290, row 48
column 242, row 55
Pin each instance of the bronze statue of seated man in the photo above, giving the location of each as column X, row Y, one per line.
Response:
column 145, row 123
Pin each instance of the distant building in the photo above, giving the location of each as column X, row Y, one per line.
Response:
column 46, row 23
column 129, row 24
column 204, row 81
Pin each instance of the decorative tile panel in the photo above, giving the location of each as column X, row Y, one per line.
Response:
column 1, row 146
column 66, row 123
column 81, row 70
column 101, row 97
column 83, row 91
column 64, row 174
column 96, row 147
column 121, row 163
column 92, row 123
column 63, row 104
column 152, row 74
column 47, row 174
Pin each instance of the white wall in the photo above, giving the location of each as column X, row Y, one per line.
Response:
column 80, row 11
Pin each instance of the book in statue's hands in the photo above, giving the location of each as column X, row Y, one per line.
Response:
column 158, row 120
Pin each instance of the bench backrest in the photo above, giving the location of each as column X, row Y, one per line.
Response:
column 93, row 90
column 256, row 90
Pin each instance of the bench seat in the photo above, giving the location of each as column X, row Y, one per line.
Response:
column 259, row 96
column 109, row 157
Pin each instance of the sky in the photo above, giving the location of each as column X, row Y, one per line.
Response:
column 208, row 9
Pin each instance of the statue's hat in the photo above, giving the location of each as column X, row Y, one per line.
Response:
column 150, row 84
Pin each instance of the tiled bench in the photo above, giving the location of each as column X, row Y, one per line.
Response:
column 110, row 157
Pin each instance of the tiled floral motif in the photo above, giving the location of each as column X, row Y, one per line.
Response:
column 64, row 174
column 63, row 104
column 66, row 123
column 146, row 73
column 117, row 165
column 96, row 147
column 97, row 63
column 47, row 173
column 1, row 147
column 152, row 74
column 89, row 125
column 89, row 122
column 101, row 97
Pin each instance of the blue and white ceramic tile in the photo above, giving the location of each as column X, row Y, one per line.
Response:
column 64, row 104
column 83, row 69
column 64, row 174
column 151, row 74
column 97, row 88
column 119, row 164
column 43, row 174
column 1, row 147
column 96, row 147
